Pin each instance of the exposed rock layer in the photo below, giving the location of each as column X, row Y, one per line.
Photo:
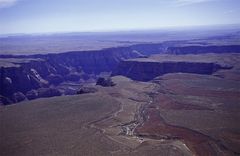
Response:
column 145, row 71
column 25, row 73
column 204, row 49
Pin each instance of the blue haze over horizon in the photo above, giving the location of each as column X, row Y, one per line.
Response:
column 40, row 16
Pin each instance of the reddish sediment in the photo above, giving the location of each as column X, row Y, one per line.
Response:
column 156, row 127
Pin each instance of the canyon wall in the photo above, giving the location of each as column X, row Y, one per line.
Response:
column 145, row 71
column 25, row 79
column 203, row 49
column 25, row 76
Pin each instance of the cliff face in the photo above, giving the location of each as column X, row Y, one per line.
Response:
column 26, row 76
column 23, row 78
column 92, row 61
column 145, row 71
column 203, row 49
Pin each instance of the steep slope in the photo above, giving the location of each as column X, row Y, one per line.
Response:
column 145, row 69
column 203, row 49
column 22, row 76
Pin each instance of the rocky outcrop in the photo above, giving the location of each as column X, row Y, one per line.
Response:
column 48, row 92
column 32, row 94
column 4, row 101
column 23, row 77
column 92, row 61
column 27, row 73
column 85, row 90
column 105, row 82
column 145, row 71
column 55, row 79
column 43, row 92
column 18, row 97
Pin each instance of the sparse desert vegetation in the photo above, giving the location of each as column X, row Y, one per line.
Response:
column 133, row 98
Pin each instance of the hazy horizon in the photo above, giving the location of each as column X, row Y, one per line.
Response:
column 56, row 16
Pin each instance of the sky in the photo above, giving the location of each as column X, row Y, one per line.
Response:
column 42, row 16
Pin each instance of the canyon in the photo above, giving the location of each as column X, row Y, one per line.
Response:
column 42, row 73
column 170, row 98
